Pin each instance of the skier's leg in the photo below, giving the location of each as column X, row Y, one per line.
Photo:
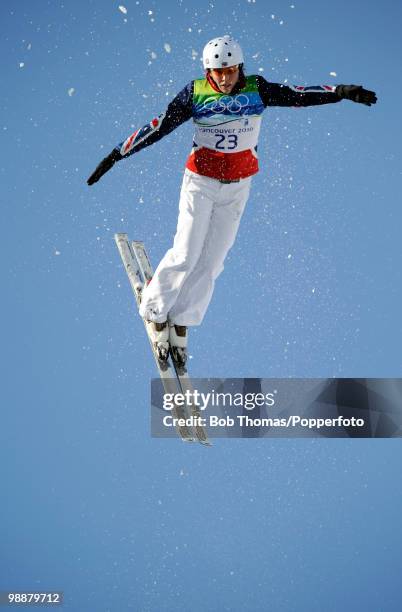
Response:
column 196, row 292
column 196, row 202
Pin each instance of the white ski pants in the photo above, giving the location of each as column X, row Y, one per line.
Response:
column 183, row 283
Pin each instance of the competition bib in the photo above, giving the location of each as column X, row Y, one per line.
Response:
column 229, row 137
column 226, row 123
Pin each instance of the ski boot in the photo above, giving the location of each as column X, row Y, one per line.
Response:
column 178, row 344
column 159, row 335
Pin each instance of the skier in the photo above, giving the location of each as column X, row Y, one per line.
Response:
column 226, row 107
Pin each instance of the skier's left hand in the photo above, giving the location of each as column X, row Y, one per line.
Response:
column 357, row 93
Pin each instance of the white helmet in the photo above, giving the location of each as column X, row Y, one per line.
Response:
column 222, row 52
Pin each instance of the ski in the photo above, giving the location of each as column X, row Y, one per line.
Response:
column 137, row 266
column 183, row 378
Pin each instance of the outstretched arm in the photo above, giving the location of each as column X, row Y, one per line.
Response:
column 275, row 94
column 178, row 111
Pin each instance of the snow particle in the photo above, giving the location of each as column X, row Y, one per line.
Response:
column 22, row 64
column 123, row 9
column 333, row 73
column 167, row 47
column 71, row 91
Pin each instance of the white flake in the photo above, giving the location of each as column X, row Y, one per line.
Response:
column 123, row 9
column 167, row 47
column 71, row 91
column 22, row 64
column 153, row 55
column 333, row 73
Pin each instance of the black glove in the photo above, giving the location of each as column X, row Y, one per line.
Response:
column 105, row 165
column 356, row 93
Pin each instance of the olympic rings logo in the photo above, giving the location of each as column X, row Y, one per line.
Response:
column 226, row 103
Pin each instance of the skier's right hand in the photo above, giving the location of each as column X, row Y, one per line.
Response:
column 105, row 165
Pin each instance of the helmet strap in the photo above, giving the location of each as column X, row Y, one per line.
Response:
column 239, row 85
column 210, row 80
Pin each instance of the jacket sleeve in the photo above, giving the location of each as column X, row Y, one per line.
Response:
column 275, row 94
column 178, row 111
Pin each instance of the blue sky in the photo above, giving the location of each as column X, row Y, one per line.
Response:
column 312, row 287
